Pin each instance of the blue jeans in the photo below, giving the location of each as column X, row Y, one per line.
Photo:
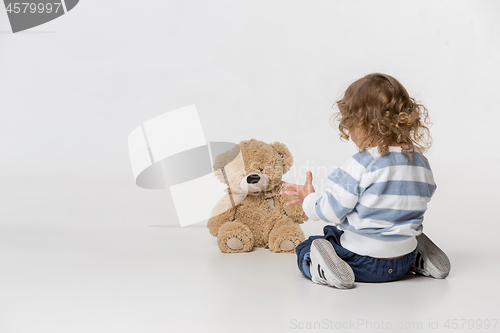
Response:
column 366, row 269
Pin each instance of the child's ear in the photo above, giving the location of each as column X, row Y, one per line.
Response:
column 285, row 154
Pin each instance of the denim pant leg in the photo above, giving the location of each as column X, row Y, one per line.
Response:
column 303, row 257
column 366, row 269
column 369, row 269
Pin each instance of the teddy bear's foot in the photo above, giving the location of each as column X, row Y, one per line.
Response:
column 284, row 239
column 234, row 237
column 235, row 243
column 287, row 245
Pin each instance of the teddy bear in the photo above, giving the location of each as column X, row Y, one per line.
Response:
column 253, row 213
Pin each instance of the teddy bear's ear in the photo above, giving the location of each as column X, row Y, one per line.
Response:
column 224, row 159
column 285, row 154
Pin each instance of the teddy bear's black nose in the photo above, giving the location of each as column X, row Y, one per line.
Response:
column 252, row 179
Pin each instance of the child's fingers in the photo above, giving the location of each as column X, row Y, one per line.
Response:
column 293, row 193
column 293, row 202
column 309, row 177
column 302, row 213
column 292, row 186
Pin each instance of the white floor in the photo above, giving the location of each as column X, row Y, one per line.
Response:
column 100, row 276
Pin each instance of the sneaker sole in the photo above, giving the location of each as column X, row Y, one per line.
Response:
column 340, row 274
column 438, row 263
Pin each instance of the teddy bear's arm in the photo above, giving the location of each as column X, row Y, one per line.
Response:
column 223, row 212
column 291, row 211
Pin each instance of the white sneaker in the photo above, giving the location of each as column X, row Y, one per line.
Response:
column 327, row 268
column 430, row 260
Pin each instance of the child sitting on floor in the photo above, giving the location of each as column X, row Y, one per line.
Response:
column 378, row 198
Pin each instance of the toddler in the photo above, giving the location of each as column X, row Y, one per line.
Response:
column 378, row 198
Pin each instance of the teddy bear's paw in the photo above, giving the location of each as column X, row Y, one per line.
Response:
column 235, row 243
column 285, row 238
column 235, row 237
column 287, row 245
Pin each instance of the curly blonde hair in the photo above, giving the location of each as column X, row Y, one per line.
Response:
column 379, row 107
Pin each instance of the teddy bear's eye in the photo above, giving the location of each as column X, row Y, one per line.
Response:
column 260, row 169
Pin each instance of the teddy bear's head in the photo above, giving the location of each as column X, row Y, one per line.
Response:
column 253, row 166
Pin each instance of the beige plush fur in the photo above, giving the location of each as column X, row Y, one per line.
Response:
column 253, row 213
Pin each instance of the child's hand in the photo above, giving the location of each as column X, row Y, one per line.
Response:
column 300, row 191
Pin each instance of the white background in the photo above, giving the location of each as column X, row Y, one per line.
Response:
column 73, row 89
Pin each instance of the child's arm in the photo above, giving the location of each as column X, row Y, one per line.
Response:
column 340, row 198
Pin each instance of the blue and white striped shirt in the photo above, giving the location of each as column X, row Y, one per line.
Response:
column 379, row 201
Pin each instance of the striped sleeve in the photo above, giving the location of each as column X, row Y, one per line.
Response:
column 341, row 191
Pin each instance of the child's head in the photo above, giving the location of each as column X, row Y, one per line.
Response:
column 376, row 111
